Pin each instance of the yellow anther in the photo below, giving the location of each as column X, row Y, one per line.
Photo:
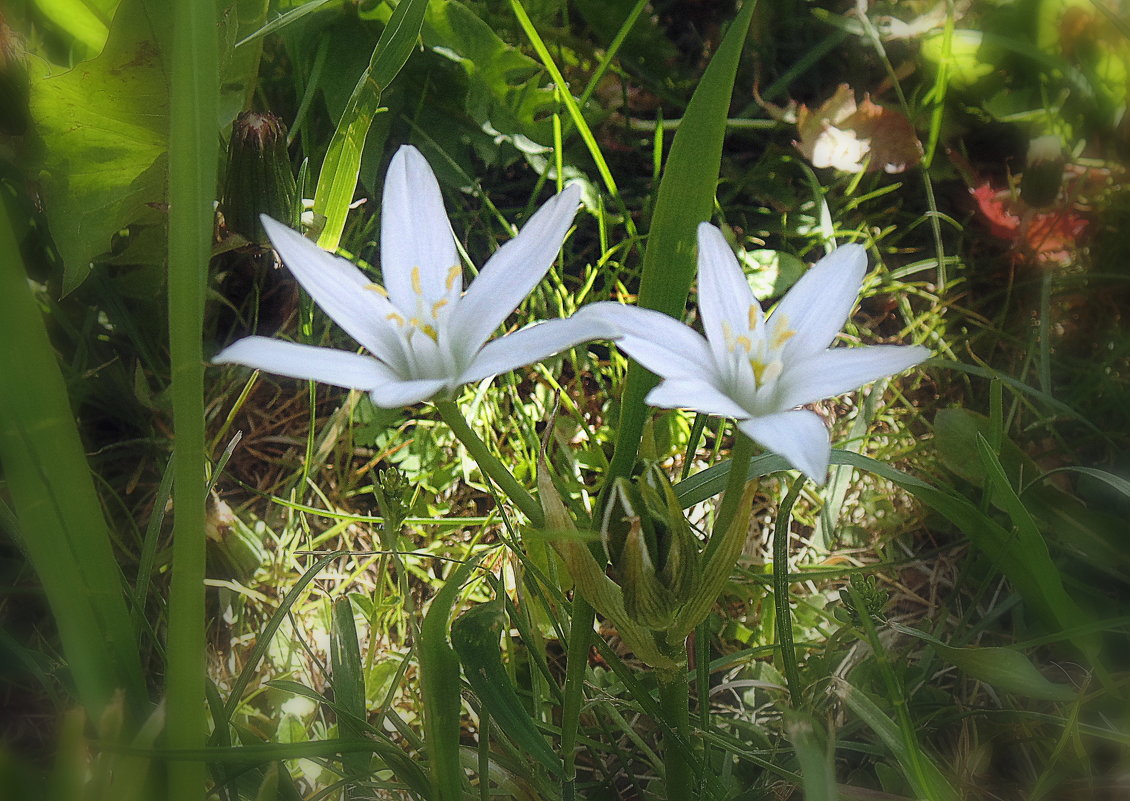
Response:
column 439, row 304
column 781, row 335
column 754, row 316
column 380, row 290
column 396, row 318
column 416, row 285
column 781, row 331
column 453, row 275
column 744, row 342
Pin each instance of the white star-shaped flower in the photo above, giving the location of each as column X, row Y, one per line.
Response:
column 755, row 369
column 425, row 336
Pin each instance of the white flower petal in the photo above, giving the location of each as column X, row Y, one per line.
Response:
column 660, row 343
column 694, row 393
column 839, row 370
column 799, row 436
column 724, row 296
column 534, row 344
column 513, row 271
column 817, row 306
column 341, row 290
column 415, row 234
column 399, row 393
column 337, row 367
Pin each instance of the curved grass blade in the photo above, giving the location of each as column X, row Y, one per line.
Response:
column 337, row 180
column 439, row 685
column 475, row 636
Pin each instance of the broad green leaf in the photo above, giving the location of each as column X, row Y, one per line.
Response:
column 88, row 21
column 337, row 180
column 1003, row 668
column 104, row 130
column 505, row 87
column 685, row 199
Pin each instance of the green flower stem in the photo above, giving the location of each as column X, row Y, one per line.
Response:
column 674, row 700
column 731, row 500
column 193, row 151
column 489, row 463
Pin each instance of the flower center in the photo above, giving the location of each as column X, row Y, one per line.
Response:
column 427, row 314
column 760, row 346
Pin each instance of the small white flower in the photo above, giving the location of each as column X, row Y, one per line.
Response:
column 425, row 335
column 754, row 369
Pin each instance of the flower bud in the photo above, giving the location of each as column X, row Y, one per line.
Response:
column 651, row 548
column 259, row 177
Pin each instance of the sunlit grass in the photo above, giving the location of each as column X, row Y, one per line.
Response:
column 955, row 522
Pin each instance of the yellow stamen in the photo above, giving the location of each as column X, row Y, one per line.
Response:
column 396, row 318
column 439, row 304
column 380, row 290
column 754, row 317
column 452, row 276
column 744, row 342
column 781, row 331
column 416, row 286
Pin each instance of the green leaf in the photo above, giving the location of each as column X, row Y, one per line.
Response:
column 928, row 782
column 337, row 180
column 770, row 273
column 349, row 690
column 59, row 514
column 88, row 21
column 504, row 85
column 685, row 199
column 1003, row 668
column 104, row 130
column 816, row 759
column 439, row 686
column 475, row 636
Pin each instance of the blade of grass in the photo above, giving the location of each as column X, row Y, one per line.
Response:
column 337, row 180
column 348, row 677
column 60, row 519
column 923, row 775
column 193, row 153
column 784, row 618
column 685, row 198
column 439, row 686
